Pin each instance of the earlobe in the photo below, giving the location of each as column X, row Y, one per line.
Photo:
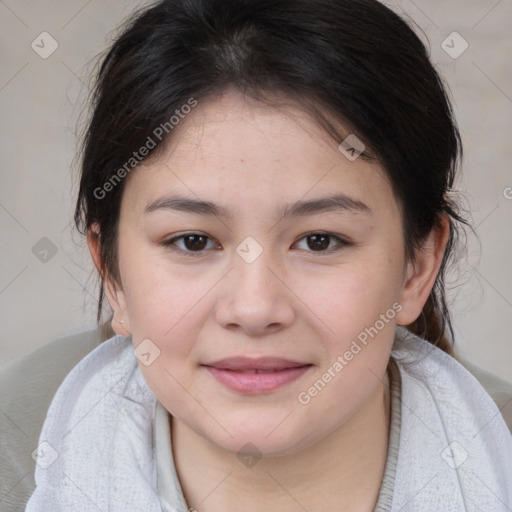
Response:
column 120, row 319
column 421, row 273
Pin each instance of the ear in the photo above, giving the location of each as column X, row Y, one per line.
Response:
column 421, row 274
column 115, row 296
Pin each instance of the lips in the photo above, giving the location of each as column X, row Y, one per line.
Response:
column 256, row 375
column 256, row 371
column 259, row 364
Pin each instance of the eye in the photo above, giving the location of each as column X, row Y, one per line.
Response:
column 191, row 242
column 321, row 242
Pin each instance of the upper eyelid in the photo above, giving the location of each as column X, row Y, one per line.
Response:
column 189, row 233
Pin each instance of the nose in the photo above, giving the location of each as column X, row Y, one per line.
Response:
column 255, row 299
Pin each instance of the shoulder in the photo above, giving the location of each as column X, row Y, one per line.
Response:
column 458, row 372
column 448, row 415
column 30, row 382
column 500, row 390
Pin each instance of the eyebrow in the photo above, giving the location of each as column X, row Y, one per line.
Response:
column 336, row 203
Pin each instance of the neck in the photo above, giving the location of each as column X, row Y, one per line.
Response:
column 342, row 472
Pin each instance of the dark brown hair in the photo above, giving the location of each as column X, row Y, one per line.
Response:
column 355, row 61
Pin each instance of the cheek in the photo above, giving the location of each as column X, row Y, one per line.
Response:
column 359, row 309
column 167, row 308
column 352, row 297
column 159, row 298
column 358, row 305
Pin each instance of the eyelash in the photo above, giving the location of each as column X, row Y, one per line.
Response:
column 171, row 243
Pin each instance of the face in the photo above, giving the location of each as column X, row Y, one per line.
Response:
column 264, row 272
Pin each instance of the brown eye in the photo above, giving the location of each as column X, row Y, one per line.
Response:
column 195, row 242
column 318, row 242
column 191, row 243
column 321, row 242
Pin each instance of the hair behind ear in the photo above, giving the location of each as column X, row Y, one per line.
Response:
column 106, row 331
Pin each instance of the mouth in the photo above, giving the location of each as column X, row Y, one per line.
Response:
column 258, row 375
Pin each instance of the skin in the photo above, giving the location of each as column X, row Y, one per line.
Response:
column 292, row 302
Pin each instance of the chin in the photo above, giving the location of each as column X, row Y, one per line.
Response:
column 261, row 435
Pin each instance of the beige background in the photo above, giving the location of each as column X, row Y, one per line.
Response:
column 40, row 101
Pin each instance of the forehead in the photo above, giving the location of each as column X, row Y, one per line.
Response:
column 236, row 148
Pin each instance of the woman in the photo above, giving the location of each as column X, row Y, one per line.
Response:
column 266, row 194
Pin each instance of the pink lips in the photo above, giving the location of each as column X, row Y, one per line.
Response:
column 255, row 376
